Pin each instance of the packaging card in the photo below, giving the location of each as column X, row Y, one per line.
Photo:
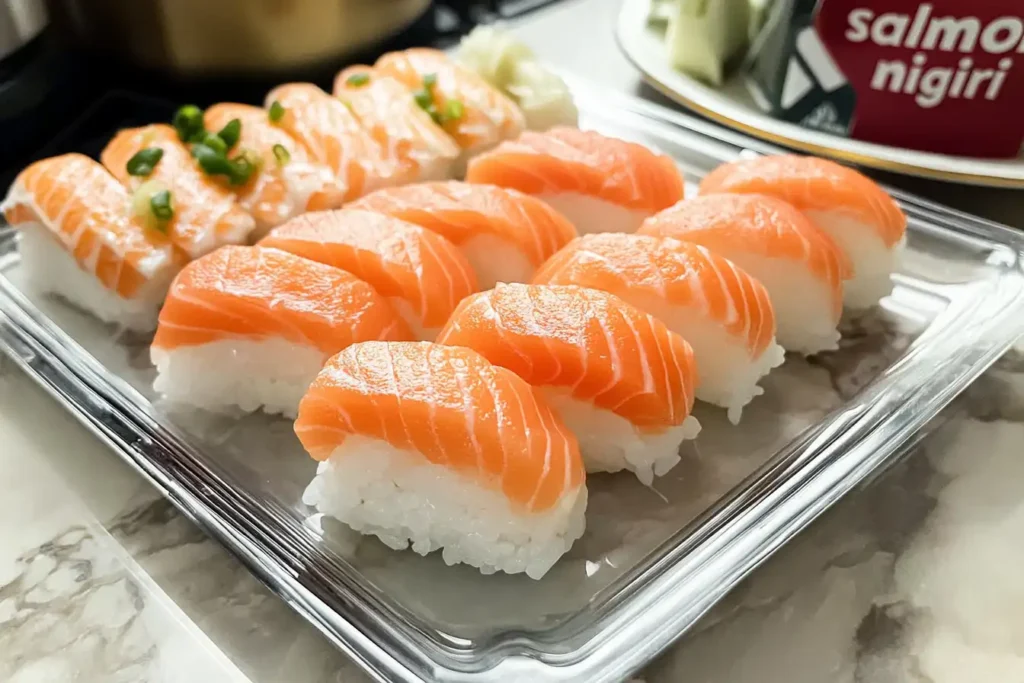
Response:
column 943, row 76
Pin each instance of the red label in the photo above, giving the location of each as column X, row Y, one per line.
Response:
column 944, row 76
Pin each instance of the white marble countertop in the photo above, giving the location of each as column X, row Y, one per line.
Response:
column 915, row 579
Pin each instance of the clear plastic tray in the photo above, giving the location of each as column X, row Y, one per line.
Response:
column 652, row 561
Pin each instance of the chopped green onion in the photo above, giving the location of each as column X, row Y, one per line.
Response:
column 453, row 110
column 142, row 206
column 423, row 98
column 281, row 154
column 429, row 81
column 144, row 161
column 243, row 166
column 358, row 80
column 276, row 111
column 160, row 206
column 211, row 161
column 231, row 132
column 215, row 142
column 241, row 170
column 188, row 122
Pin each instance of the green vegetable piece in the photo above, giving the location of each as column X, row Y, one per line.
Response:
column 453, row 110
column 188, row 122
column 161, row 208
column 231, row 132
column 429, row 81
column 277, row 111
column 144, row 161
column 215, row 142
column 282, row 155
column 424, row 99
column 358, row 80
column 241, row 170
column 211, row 161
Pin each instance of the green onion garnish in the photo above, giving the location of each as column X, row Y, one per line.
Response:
column 188, row 122
column 423, row 98
column 358, row 80
column 211, row 161
column 453, row 110
column 215, row 142
column 160, row 205
column 281, row 154
column 429, row 81
column 243, row 166
column 230, row 133
column 144, row 161
column 276, row 111
column 241, row 170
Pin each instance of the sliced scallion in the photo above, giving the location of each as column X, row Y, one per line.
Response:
column 231, row 132
column 429, row 81
column 160, row 206
column 358, row 80
column 144, row 161
column 211, row 161
column 216, row 143
column 277, row 111
column 423, row 98
column 453, row 110
column 188, row 122
column 282, row 155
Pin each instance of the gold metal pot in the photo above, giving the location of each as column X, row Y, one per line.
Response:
column 250, row 36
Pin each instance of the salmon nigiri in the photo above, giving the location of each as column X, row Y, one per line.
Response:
column 406, row 133
column 621, row 380
column 504, row 234
column 476, row 114
column 331, row 134
column 251, row 327
column 80, row 241
column 432, row 447
column 858, row 214
column 723, row 313
column 799, row 265
column 205, row 215
column 601, row 184
column 288, row 182
column 422, row 274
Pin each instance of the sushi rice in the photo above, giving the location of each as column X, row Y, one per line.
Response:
column 51, row 268
column 408, row 502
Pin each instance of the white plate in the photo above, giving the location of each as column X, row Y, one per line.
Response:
column 733, row 107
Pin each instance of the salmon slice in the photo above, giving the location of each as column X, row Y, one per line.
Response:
column 72, row 201
column 409, row 137
column 601, row 184
column 857, row 214
column 619, row 378
column 725, row 314
column 205, row 214
column 799, row 264
column 450, row 406
column 332, row 135
column 283, row 187
column 249, row 328
column 254, row 292
column 504, row 234
column 421, row 273
column 812, row 184
column 486, row 115
column 656, row 271
column 592, row 344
